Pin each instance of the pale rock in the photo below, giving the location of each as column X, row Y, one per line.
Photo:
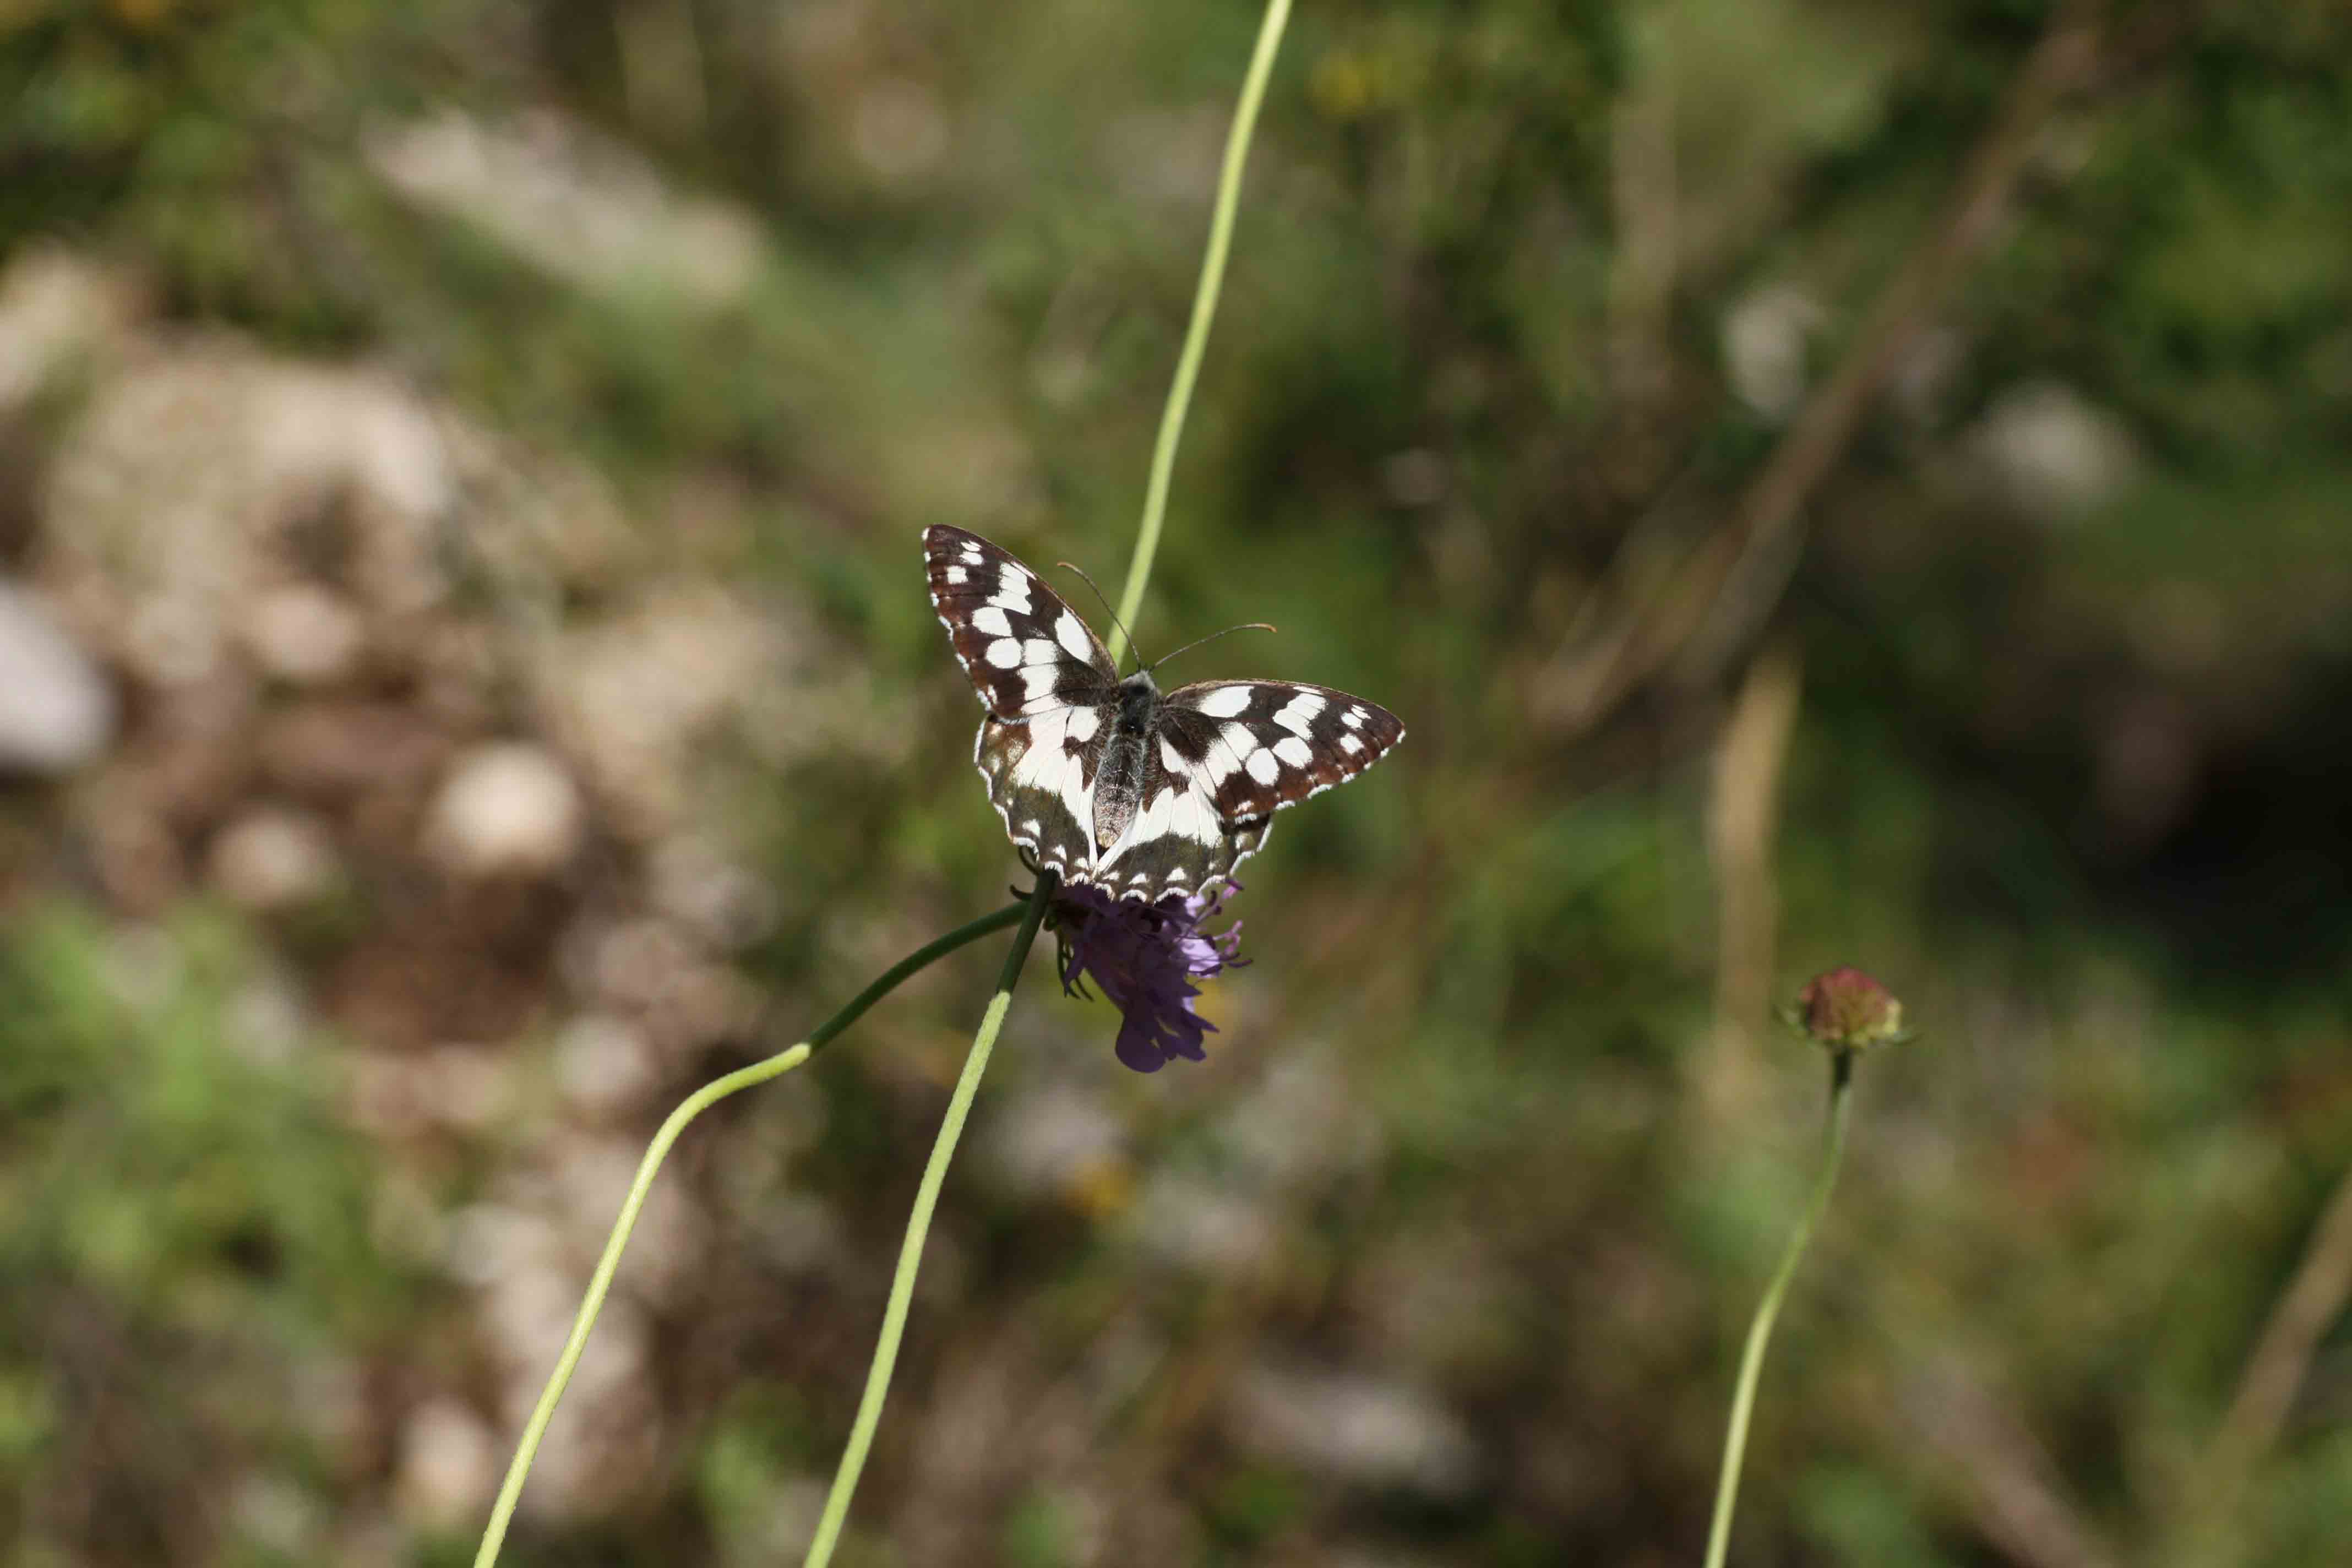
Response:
column 304, row 636
column 267, row 1020
column 720, row 901
column 574, row 204
column 2051, row 453
column 448, row 1465
column 57, row 711
column 197, row 472
column 1300, row 1126
column 1355, row 1429
column 277, row 1513
column 1184, row 1220
column 1765, row 335
column 602, row 1068
column 54, row 308
column 272, row 858
column 592, row 1177
column 634, row 695
column 486, row 1241
column 506, row 808
column 1053, row 1140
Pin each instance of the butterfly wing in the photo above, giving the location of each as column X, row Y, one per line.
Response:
column 1041, row 779
column 1047, row 683
column 1024, row 650
column 1225, row 756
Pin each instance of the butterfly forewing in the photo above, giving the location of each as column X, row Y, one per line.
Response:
column 1024, row 650
column 1265, row 744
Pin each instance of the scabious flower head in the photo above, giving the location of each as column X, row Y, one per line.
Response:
column 1846, row 1010
column 1145, row 957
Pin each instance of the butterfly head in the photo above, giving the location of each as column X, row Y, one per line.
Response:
column 1137, row 695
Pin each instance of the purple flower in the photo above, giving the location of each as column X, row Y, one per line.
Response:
column 1145, row 957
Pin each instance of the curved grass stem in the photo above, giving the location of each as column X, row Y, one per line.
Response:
column 1759, row 1331
column 1205, row 311
column 918, row 1227
column 695, row 1104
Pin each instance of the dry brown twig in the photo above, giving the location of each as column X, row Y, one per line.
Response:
column 2019, row 1503
column 1738, row 563
column 1743, row 810
column 2314, row 1299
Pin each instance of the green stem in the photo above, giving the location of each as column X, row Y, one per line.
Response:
column 1751, row 1361
column 1204, row 310
column 919, row 1226
column 700, row 1101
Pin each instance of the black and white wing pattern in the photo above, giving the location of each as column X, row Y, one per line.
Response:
column 1108, row 781
column 1025, row 651
column 1227, row 755
column 1048, row 685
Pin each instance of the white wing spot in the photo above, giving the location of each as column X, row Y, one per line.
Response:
column 1082, row 724
column 1037, row 680
column 1172, row 761
column 1037, row 650
column 1071, row 633
column 1033, row 825
column 1226, row 702
column 1354, row 718
column 1005, row 654
column 1048, row 767
column 1197, row 819
column 1299, row 712
column 1350, row 744
column 1013, row 590
column 1294, row 751
column 972, row 556
column 993, row 621
column 958, row 574
column 1263, row 767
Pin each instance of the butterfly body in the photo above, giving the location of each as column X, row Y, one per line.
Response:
column 1118, row 781
column 1106, row 779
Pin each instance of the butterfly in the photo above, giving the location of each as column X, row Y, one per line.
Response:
column 1106, row 779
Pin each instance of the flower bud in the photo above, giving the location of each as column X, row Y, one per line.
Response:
column 1846, row 1010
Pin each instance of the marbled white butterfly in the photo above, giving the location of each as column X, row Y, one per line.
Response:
column 1106, row 780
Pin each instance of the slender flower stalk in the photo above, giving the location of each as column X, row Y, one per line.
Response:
column 1759, row 1331
column 1845, row 1012
column 700, row 1101
column 918, row 1227
column 1205, row 311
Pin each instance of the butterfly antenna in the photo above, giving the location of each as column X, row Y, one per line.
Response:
column 1245, row 627
column 1104, row 602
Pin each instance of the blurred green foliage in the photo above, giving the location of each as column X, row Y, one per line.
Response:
column 2070, row 776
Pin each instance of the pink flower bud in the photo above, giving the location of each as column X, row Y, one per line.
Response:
column 1846, row 1010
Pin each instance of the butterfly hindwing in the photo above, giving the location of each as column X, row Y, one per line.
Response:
column 1041, row 777
column 1224, row 757
column 1025, row 651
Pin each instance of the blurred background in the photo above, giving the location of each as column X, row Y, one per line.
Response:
column 1823, row 483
